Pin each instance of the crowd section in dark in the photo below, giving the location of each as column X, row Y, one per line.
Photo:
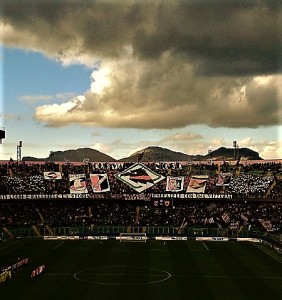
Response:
column 260, row 216
column 258, row 186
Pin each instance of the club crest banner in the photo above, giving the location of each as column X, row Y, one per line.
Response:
column 139, row 177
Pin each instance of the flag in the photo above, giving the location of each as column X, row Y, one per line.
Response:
column 139, row 177
column 163, row 203
column 174, row 184
column 52, row 175
column 197, row 184
column 224, row 179
column 225, row 217
column 266, row 224
column 77, row 183
column 99, row 183
column 244, row 218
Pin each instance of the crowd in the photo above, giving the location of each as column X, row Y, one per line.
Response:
column 261, row 180
column 264, row 216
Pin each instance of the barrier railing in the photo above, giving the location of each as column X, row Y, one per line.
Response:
column 28, row 232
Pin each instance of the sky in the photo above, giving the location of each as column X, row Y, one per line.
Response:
column 120, row 76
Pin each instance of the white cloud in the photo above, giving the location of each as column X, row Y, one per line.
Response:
column 104, row 148
column 166, row 93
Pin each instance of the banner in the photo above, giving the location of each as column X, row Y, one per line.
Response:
column 52, row 175
column 139, row 177
column 266, row 224
column 7, row 274
column 225, row 217
column 197, row 184
column 77, row 183
column 174, row 184
column 224, row 179
column 162, row 203
column 189, row 196
column 108, row 166
column 100, row 183
column 73, row 196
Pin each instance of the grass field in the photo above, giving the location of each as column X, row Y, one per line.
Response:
column 153, row 270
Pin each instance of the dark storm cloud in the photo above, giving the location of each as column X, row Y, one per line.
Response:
column 172, row 63
column 219, row 37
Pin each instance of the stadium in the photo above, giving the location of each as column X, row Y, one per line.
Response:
column 142, row 230
column 122, row 217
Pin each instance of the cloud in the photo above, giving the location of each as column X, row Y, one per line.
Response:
column 221, row 37
column 11, row 117
column 32, row 99
column 104, row 148
column 182, row 137
column 164, row 64
column 166, row 93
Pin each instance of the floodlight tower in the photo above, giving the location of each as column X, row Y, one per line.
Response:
column 19, row 151
column 2, row 134
column 235, row 145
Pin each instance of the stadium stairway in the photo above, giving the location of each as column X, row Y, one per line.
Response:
column 270, row 188
column 137, row 213
column 224, row 232
column 8, row 232
column 240, row 229
column 36, row 230
column 40, row 215
column 50, row 231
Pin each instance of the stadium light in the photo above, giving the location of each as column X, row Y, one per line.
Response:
column 235, row 145
column 19, row 151
column 2, row 134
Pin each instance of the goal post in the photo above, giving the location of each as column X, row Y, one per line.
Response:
column 132, row 237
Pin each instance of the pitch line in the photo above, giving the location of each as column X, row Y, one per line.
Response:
column 206, row 246
column 265, row 252
column 172, row 275
column 58, row 245
column 229, row 277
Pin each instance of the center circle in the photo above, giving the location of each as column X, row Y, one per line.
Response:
column 122, row 275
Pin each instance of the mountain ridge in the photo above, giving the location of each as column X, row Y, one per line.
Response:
column 151, row 153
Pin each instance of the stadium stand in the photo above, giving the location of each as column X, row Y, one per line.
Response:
column 48, row 195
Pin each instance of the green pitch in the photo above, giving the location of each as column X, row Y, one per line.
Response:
column 153, row 270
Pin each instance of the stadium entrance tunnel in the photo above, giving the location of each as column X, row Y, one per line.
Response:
column 122, row 275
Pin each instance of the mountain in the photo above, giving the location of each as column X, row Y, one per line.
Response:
column 163, row 154
column 228, row 154
column 147, row 154
column 159, row 154
column 75, row 156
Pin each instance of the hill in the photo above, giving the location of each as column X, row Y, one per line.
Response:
column 163, row 154
column 159, row 154
column 152, row 153
column 77, row 155
column 228, row 154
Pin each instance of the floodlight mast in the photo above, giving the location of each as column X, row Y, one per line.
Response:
column 19, row 151
column 236, row 146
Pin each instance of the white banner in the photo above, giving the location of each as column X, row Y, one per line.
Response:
column 52, row 175
column 77, row 184
column 139, row 177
